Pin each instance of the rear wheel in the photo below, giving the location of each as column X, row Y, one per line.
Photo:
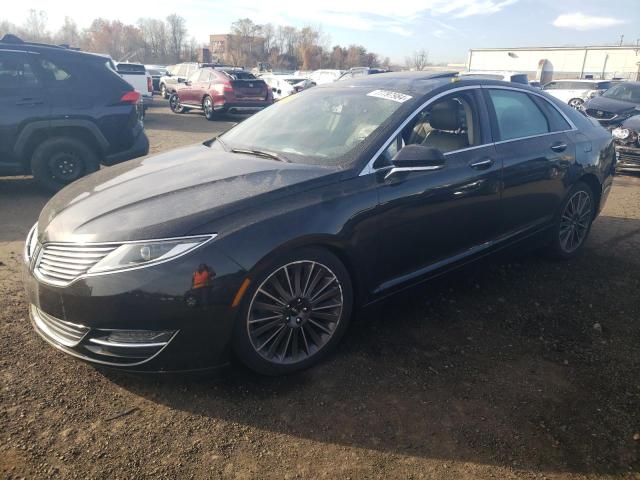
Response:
column 163, row 91
column 295, row 312
column 59, row 161
column 207, row 107
column 573, row 222
column 175, row 105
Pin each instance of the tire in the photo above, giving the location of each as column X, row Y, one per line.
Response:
column 56, row 162
column 576, row 103
column 175, row 105
column 163, row 91
column 296, row 337
column 207, row 108
column 573, row 223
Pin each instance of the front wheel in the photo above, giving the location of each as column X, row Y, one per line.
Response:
column 175, row 105
column 576, row 103
column 294, row 313
column 163, row 91
column 573, row 222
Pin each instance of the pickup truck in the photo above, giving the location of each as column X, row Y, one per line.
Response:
column 136, row 74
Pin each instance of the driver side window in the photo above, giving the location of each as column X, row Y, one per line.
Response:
column 449, row 124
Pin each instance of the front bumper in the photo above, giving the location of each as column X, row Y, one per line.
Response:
column 89, row 318
column 627, row 158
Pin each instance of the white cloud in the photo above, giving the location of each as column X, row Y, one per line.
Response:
column 580, row 21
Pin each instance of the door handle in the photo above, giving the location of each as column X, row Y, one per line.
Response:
column 482, row 164
column 559, row 147
column 29, row 102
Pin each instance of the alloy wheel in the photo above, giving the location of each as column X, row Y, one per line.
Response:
column 174, row 103
column 295, row 312
column 575, row 221
column 208, row 107
column 575, row 103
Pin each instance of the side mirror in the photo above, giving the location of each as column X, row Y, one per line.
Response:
column 279, row 91
column 182, row 80
column 274, row 89
column 414, row 158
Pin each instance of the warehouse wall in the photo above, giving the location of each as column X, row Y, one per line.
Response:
column 563, row 63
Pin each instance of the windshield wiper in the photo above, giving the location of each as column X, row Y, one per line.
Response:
column 260, row 153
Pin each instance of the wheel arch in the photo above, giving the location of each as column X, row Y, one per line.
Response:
column 35, row 133
column 595, row 185
column 330, row 243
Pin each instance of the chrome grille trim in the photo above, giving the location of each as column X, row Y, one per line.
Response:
column 60, row 264
column 62, row 332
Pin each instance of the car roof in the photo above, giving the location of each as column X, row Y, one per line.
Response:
column 582, row 80
column 421, row 83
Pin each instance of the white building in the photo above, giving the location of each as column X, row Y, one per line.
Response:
column 547, row 63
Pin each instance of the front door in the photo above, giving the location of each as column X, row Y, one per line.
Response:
column 438, row 217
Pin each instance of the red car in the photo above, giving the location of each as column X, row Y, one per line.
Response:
column 221, row 90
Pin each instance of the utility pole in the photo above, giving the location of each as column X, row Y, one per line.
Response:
column 621, row 39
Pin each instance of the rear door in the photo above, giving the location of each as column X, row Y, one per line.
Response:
column 22, row 100
column 536, row 152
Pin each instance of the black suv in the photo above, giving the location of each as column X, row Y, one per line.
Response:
column 63, row 113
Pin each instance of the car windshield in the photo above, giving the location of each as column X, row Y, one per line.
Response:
column 627, row 92
column 318, row 126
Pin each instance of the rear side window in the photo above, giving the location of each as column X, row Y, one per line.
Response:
column 204, row 75
column 517, row 115
column 16, row 71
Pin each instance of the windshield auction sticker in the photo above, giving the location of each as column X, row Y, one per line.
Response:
column 395, row 96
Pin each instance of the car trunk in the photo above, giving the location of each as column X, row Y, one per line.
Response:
column 250, row 90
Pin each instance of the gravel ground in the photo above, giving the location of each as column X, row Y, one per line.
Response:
column 522, row 369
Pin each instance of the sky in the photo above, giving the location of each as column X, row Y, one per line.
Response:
column 447, row 29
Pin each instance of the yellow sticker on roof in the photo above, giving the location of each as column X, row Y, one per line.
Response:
column 389, row 95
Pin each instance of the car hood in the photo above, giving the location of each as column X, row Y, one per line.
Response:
column 169, row 194
column 610, row 105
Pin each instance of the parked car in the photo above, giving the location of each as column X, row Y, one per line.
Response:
column 63, row 113
column 627, row 140
column 320, row 77
column 262, row 242
column 576, row 92
column 515, row 77
column 535, row 84
column 360, row 72
column 156, row 72
column 221, row 90
column 180, row 73
column 138, row 77
column 615, row 105
column 285, row 85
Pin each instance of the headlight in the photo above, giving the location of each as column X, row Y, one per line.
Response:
column 140, row 254
column 31, row 242
column 621, row 133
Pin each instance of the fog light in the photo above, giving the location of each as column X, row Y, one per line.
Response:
column 134, row 338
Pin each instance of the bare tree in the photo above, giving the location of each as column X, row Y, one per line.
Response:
column 177, row 32
column 7, row 27
column 68, row 33
column 418, row 61
column 35, row 26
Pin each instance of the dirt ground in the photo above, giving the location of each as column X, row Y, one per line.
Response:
column 523, row 369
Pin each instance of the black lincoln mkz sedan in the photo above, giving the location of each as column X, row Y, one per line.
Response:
column 261, row 242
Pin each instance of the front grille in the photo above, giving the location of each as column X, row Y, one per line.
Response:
column 64, row 333
column 600, row 114
column 61, row 264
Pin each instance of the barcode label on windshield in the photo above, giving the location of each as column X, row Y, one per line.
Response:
column 395, row 96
